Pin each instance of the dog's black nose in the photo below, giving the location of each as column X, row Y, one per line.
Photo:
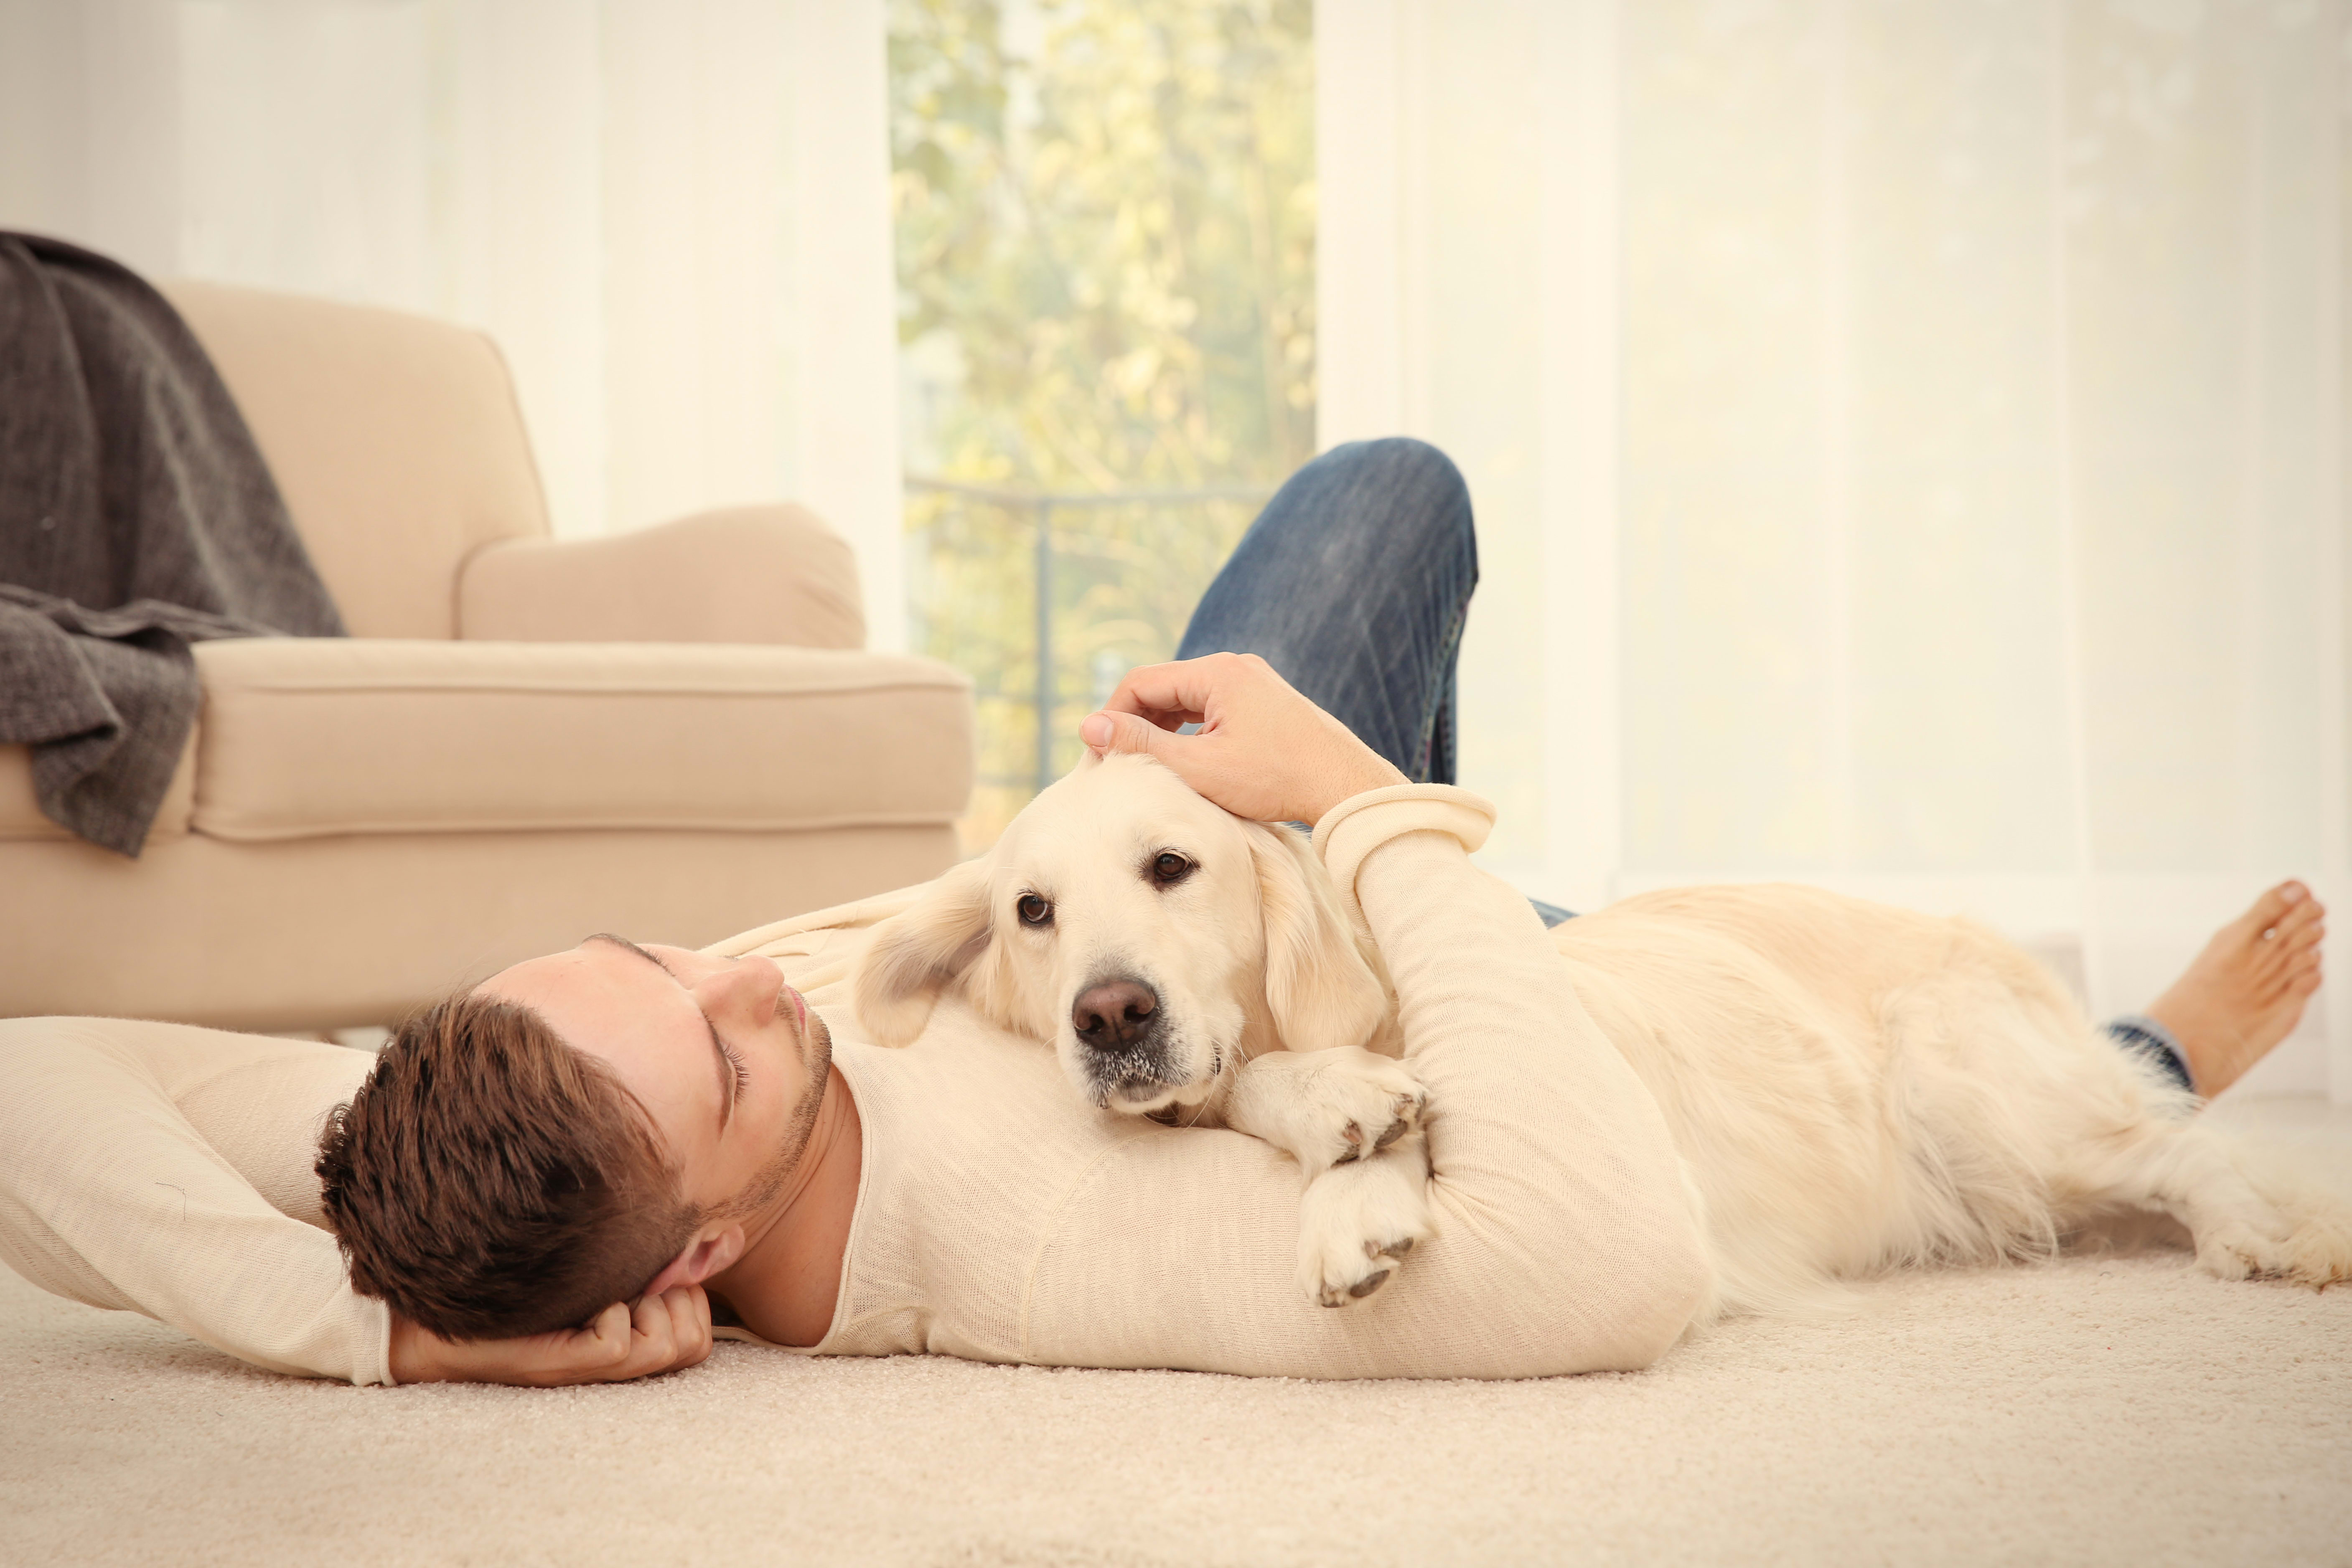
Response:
column 1110, row 1016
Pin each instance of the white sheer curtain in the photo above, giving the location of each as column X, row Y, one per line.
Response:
column 1908, row 440
column 673, row 215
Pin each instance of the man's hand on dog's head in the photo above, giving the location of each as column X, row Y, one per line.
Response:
column 1263, row 750
column 658, row 1333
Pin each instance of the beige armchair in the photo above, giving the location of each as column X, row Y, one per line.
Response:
column 673, row 734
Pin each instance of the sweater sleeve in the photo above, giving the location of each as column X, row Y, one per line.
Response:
column 1566, row 1239
column 135, row 1160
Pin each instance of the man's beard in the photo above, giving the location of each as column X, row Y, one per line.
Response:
column 762, row 1188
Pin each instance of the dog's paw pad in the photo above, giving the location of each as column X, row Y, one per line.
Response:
column 1331, row 1294
column 1383, row 1257
column 1358, row 1224
column 1404, row 1117
column 1372, row 1106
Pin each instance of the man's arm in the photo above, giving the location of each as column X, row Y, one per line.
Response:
column 110, row 1194
column 166, row 1169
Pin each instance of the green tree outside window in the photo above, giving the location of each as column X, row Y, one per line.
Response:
column 1105, row 219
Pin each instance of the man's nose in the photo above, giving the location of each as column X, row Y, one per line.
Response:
column 747, row 988
column 1113, row 1015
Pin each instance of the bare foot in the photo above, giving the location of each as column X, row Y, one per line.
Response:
column 2245, row 992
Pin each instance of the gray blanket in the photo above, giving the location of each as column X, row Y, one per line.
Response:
column 136, row 517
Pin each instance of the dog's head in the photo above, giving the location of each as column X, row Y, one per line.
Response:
column 1153, row 939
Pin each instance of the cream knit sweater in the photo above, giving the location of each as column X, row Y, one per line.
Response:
column 166, row 1169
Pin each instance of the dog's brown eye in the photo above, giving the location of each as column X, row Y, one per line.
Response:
column 1034, row 910
column 1169, row 868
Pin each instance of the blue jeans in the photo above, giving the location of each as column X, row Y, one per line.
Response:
column 1355, row 583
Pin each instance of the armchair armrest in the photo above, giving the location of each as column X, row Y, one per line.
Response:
column 743, row 574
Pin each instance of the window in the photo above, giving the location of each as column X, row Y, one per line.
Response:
column 1105, row 222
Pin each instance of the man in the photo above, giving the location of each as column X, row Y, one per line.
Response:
column 621, row 1121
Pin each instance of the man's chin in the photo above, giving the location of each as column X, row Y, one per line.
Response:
column 816, row 1055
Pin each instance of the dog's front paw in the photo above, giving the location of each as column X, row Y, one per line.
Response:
column 1351, row 1104
column 1357, row 1220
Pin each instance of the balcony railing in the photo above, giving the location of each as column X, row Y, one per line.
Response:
column 1046, row 598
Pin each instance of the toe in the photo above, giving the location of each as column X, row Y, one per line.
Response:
column 2274, row 905
column 2286, row 953
column 2295, row 964
column 2306, row 915
column 2288, row 905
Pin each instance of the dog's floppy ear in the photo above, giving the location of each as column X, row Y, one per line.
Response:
column 918, row 952
column 1318, row 986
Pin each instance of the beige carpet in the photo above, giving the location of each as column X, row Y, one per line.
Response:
column 2107, row 1409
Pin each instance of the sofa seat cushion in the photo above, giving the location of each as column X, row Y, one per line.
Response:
column 309, row 737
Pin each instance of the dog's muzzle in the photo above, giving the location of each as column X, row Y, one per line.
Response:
column 1121, row 1031
column 1116, row 1015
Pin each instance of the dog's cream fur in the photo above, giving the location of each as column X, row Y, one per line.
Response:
column 1851, row 1088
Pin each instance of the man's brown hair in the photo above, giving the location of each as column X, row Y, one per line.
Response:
column 487, row 1180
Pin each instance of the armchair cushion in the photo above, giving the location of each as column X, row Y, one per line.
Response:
column 303, row 738
column 745, row 575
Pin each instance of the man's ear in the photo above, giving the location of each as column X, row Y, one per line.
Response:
column 918, row 952
column 699, row 1260
column 1319, row 987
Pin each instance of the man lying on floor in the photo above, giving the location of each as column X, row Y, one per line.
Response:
column 676, row 1131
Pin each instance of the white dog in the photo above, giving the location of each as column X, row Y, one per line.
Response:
column 1851, row 1087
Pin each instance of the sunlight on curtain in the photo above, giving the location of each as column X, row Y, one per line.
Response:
column 672, row 216
column 1908, row 440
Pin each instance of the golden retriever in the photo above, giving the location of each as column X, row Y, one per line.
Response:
column 1851, row 1087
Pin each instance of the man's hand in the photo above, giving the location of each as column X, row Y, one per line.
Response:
column 1263, row 750
column 660, row 1334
